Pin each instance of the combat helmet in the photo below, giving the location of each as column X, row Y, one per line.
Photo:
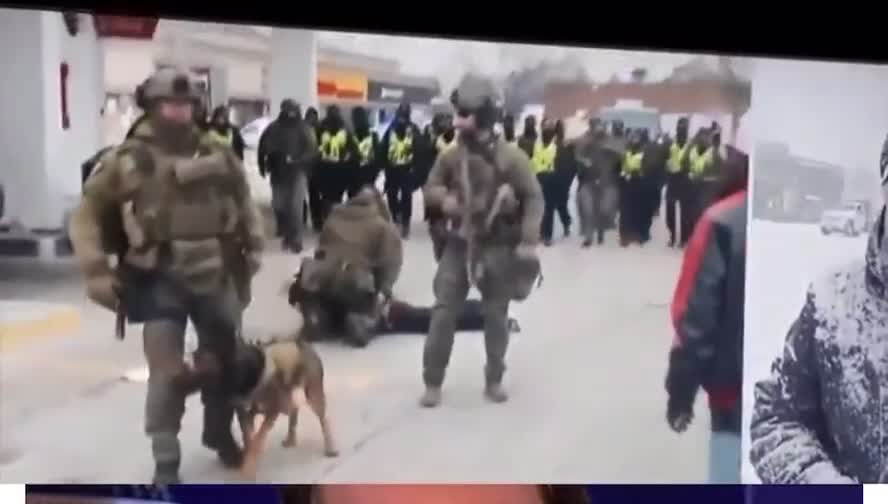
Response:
column 168, row 83
column 477, row 96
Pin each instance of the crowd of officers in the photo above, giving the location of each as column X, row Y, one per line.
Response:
column 621, row 173
column 330, row 160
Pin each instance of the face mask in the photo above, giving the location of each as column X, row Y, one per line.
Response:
column 548, row 135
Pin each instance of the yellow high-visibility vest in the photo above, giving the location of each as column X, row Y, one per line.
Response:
column 333, row 146
column 543, row 160
column 676, row 156
column 365, row 148
column 226, row 140
column 700, row 162
column 632, row 163
column 400, row 150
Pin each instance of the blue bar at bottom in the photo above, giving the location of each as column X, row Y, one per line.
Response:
column 725, row 494
column 598, row 494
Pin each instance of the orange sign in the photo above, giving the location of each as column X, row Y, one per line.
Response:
column 342, row 84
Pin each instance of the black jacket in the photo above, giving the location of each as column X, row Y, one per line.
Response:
column 707, row 313
column 286, row 148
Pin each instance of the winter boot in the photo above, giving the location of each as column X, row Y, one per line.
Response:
column 166, row 473
column 494, row 392
column 217, row 434
column 431, row 398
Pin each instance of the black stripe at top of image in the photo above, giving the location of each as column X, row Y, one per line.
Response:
column 723, row 33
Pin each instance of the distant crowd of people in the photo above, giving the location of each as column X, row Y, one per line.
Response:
column 622, row 174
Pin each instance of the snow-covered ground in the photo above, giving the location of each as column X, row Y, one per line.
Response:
column 585, row 375
column 781, row 261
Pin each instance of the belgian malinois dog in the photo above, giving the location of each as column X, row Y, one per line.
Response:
column 269, row 375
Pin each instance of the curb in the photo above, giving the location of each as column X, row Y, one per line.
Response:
column 58, row 322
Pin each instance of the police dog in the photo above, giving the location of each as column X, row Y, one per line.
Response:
column 269, row 373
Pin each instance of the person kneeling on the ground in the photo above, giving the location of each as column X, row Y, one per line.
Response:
column 350, row 278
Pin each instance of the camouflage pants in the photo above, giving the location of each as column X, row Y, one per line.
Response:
column 451, row 287
column 596, row 204
column 216, row 319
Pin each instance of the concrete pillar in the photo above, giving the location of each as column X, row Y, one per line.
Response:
column 293, row 71
column 39, row 160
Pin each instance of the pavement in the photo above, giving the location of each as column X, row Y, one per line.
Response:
column 585, row 377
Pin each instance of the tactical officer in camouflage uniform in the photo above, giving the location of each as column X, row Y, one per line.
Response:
column 598, row 190
column 176, row 210
column 487, row 190
column 343, row 290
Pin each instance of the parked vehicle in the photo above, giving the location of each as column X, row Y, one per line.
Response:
column 252, row 132
column 849, row 219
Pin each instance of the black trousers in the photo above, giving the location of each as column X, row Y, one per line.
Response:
column 551, row 199
column 405, row 318
column 334, row 180
column 679, row 225
column 399, row 187
column 692, row 200
column 562, row 207
column 315, row 201
column 633, row 210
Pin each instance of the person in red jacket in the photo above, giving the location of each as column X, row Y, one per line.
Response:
column 707, row 314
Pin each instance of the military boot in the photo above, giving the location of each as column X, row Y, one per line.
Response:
column 166, row 473
column 217, row 434
column 494, row 392
column 431, row 398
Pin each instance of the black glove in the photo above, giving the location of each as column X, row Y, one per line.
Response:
column 681, row 386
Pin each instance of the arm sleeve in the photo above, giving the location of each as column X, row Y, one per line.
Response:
column 253, row 228
column 101, row 196
column 262, row 149
column 698, row 297
column 311, row 148
column 392, row 257
column 435, row 189
column 530, row 194
column 238, row 143
column 787, row 416
column 696, row 305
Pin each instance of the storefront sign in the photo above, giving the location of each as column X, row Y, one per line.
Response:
column 343, row 85
column 378, row 91
column 134, row 27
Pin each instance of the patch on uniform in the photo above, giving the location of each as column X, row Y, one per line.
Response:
column 96, row 169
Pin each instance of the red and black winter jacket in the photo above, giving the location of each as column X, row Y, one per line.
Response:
column 707, row 312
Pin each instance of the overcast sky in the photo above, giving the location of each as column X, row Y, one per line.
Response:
column 448, row 60
column 833, row 112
